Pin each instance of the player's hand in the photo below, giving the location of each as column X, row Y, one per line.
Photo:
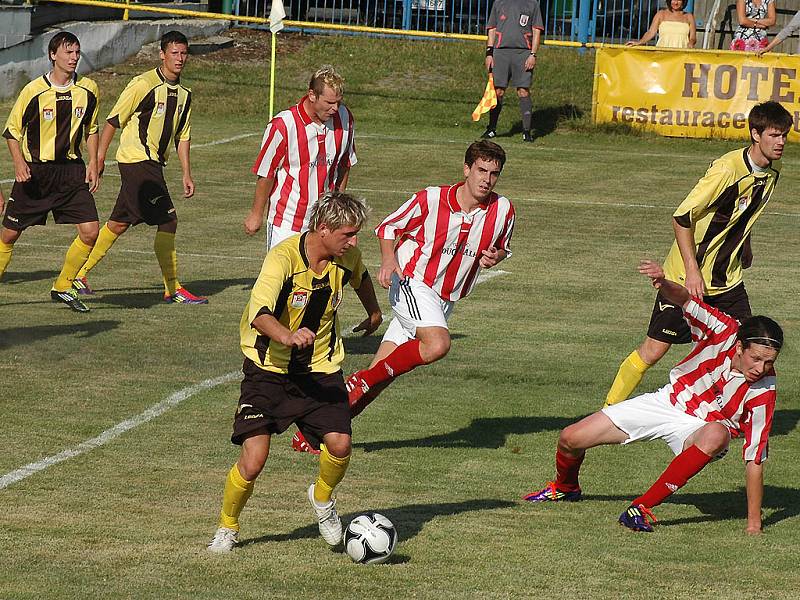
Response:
column 694, row 285
column 101, row 166
column 188, row 186
column 22, row 172
column 386, row 271
column 302, row 338
column 92, row 178
column 530, row 63
column 252, row 223
column 653, row 270
column 490, row 257
column 489, row 64
column 370, row 324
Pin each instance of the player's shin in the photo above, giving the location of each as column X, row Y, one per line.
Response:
column 105, row 240
column 628, row 378
column 5, row 256
column 76, row 257
column 331, row 472
column 237, row 492
column 682, row 468
column 164, row 247
column 567, row 468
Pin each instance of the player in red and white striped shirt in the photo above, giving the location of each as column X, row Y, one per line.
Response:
column 432, row 249
column 306, row 151
column 724, row 388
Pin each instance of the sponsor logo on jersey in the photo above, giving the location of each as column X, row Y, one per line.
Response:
column 299, row 299
column 523, row 20
column 461, row 248
column 48, row 114
column 160, row 108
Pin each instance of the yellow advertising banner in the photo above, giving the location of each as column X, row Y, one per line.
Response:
column 691, row 93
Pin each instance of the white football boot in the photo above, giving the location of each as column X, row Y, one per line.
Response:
column 330, row 525
column 224, row 540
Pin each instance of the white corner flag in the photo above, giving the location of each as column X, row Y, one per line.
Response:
column 276, row 16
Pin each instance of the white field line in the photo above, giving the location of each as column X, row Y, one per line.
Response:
column 109, row 434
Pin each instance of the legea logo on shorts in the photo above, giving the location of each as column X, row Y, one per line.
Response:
column 299, row 299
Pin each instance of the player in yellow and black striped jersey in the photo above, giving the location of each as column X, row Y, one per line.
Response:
column 289, row 334
column 53, row 115
column 712, row 240
column 154, row 112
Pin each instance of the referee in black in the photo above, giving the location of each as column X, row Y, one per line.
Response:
column 514, row 32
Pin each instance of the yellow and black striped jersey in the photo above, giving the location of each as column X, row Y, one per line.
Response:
column 722, row 209
column 298, row 297
column 50, row 121
column 154, row 115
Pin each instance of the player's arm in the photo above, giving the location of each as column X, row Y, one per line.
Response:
column 183, row 155
column 22, row 172
column 684, row 237
column 255, row 218
column 674, row 292
column 102, row 147
column 342, row 178
column 366, row 294
column 754, row 486
column 650, row 33
column 2, row 202
column 92, row 174
column 389, row 264
column 269, row 326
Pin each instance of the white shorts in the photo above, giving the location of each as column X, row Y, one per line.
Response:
column 414, row 305
column 652, row 417
column 275, row 235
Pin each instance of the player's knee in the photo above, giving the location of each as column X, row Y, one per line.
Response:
column 436, row 349
column 9, row 236
column 569, row 440
column 338, row 445
column 651, row 351
column 117, row 228
column 250, row 466
column 714, row 439
column 89, row 237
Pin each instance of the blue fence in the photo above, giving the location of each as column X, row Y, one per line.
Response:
column 611, row 21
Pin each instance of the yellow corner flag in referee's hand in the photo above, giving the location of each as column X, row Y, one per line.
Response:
column 276, row 16
column 488, row 102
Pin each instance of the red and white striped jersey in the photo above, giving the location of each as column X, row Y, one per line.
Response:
column 441, row 245
column 303, row 158
column 704, row 385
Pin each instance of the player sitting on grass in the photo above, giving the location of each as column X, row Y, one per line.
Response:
column 725, row 387
column 293, row 355
column 432, row 250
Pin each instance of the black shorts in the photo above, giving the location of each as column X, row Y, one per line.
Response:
column 668, row 325
column 271, row 402
column 143, row 196
column 59, row 188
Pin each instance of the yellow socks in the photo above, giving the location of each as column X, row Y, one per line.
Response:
column 75, row 259
column 237, row 492
column 164, row 247
column 331, row 472
column 103, row 244
column 5, row 256
column 628, row 377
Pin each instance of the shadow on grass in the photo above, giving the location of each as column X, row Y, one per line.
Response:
column 726, row 506
column 12, row 278
column 544, row 121
column 153, row 296
column 409, row 521
column 25, row 335
column 481, row 433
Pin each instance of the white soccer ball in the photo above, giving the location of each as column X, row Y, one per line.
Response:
column 370, row 538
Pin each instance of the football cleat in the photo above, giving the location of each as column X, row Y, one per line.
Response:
column 300, row 444
column 70, row 298
column 224, row 540
column 552, row 494
column 489, row 134
column 184, row 296
column 81, row 285
column 638, row 518
column 527, row 136
column 330, row 525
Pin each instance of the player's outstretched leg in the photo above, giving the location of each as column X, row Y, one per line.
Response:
column 237, row 491
column 105, row 239
column 628, row 377
column 164, row 247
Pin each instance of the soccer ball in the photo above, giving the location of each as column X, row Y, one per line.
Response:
column 370, row 538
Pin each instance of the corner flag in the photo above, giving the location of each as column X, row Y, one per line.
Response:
column 276, row 16
column 488, row 102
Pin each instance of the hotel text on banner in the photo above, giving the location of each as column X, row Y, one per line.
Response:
column 692, row 93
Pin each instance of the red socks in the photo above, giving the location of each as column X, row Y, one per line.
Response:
column 682, row 468
column 567, row 471
column 404, row 358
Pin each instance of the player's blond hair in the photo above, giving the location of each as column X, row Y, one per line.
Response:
column 326, row 75
column 337, row 210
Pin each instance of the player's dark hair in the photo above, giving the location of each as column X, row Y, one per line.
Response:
column 62, row 38
column 769, row 114
column 683, row 4
column 173, row 37
column 760, row 330
column 485, row 150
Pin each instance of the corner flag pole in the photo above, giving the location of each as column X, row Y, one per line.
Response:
column 276, row 16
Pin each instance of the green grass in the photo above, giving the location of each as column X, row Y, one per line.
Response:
column 448, row 450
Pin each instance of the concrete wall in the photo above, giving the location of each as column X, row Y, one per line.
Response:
column 102, row 45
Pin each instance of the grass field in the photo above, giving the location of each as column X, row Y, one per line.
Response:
column 447, row 452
